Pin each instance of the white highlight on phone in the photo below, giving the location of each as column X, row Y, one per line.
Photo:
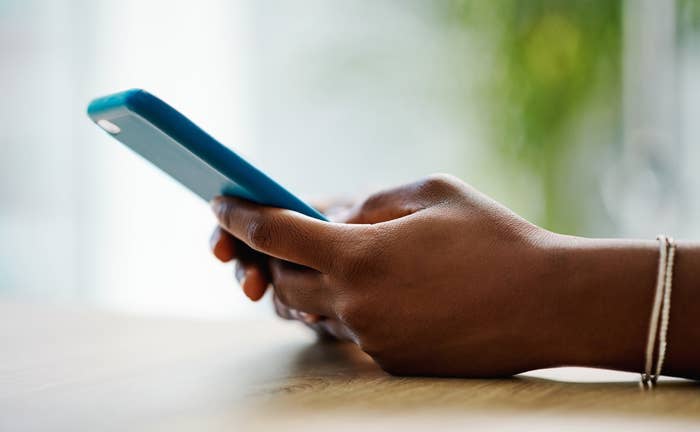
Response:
column 109, row 126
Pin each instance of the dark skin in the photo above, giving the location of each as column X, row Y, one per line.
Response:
column 434, row 278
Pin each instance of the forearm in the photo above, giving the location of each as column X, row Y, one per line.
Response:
column 603, row 304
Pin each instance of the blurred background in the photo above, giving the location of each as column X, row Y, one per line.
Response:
column 582, row 116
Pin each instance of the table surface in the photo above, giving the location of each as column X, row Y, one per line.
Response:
column 76, row 369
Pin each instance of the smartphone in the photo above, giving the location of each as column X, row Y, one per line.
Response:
column 170, row 141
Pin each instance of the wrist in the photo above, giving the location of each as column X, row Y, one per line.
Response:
column 599, row 299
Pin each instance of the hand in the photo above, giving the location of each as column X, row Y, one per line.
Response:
column 430, row 278
column 253, row 274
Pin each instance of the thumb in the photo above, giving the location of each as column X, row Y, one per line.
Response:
column 281, row 233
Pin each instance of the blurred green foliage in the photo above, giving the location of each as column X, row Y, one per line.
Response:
column 551, row 57
column 689, row 15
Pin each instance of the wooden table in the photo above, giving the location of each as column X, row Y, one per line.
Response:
column 71, row 369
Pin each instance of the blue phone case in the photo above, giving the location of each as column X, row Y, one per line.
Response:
column 169, row 140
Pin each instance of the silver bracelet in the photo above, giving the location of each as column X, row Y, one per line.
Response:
column 661, row 310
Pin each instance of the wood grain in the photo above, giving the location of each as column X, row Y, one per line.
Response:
column 71, row 369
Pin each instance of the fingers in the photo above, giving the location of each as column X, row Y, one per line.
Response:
column 326, row 328
column 288, row 313
column 252, row 279
column 330, row 328
column 222, row 245
column 281, row 233
column 282, row 310
column 301, row 289
column 250, row 269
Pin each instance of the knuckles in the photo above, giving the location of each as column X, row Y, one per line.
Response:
column 375, row 201
column 260, row 232
column 440, row 184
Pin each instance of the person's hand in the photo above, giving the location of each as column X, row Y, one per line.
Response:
column 253, row 274
column 429, row 278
